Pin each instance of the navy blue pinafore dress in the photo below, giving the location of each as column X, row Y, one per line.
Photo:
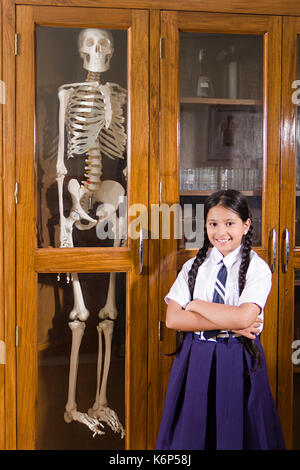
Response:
column 215, row 400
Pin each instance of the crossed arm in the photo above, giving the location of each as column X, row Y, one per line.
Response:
column 200, row 315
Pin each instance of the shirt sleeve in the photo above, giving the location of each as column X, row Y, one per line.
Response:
column 180, row 289
column 258, row 283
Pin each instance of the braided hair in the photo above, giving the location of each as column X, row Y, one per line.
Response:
column 235, row 201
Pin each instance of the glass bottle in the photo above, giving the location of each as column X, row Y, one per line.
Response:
column 204, row 88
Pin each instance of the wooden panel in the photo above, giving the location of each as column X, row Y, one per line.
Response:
column 26, row 278
column 296, row 259
column 270, row 7
column 9, row 217
column 74, row 17
column 169, row 97
column 227, row 24
column 49, row 260
column 153, row 300
column 136, row 378
column 270, row 185
column 2, row 322
column 291, row 27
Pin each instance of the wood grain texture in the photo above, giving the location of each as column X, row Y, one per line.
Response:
column 269, row 7
column 26, row 278
column 2, row 317
column 58, row 260
column 153, row 299
column 137, row 316
column 9, row 226
column 73, row 17
column 291, row 28
column 169, row 96
column 270, row 183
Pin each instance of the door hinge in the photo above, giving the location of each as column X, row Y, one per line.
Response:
column 16, row 193
column 17, row 336
column 17, row 43
column 161, row 48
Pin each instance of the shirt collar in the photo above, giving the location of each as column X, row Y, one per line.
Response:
column 229, row 259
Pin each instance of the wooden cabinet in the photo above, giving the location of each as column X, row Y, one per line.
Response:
column 193, row 126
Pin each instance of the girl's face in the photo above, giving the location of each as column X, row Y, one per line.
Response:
column 225, row 229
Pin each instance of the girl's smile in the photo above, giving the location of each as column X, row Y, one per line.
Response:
column 225, row 229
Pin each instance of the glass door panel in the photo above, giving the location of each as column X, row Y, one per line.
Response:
column 221, row 123
column 220, row 129
column 78, row 73
column 90, row 142
column 98, row 388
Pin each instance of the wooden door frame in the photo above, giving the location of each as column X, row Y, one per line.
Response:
column 33, row 260
column 291, row 31
column 2, row 323
column 8, row 54
column 172, row 258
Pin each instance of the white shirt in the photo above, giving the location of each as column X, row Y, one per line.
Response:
column 257, row 287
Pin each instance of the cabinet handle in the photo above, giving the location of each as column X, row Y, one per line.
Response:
column 286, row 234
column 274, row 249
column 141, row 251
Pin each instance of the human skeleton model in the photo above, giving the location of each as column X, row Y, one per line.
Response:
column 92, row 115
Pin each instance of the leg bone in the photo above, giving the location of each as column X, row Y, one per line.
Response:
column 100, row 409
column 79, row 310
column 71, row 413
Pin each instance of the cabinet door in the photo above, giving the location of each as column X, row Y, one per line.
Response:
column 220, row 115
column 81, row 147
column 289, row 322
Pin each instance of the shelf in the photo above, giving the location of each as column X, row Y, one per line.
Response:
column 184, row 192
column 228, row 101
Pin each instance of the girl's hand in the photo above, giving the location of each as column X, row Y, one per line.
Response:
column 252, row 331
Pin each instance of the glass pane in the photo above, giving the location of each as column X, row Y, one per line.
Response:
column 81, row 135
column 221, row 119
column 296, row 365
column 100, row 379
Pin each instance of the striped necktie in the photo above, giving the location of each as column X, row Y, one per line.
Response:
column 219, row 295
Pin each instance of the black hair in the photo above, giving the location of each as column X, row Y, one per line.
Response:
column 236, row 202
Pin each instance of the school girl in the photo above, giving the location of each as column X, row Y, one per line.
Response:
column 218, row 395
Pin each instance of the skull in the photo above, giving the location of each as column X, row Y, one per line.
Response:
column 95, row 47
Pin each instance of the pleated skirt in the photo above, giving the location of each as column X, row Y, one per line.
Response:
column 216, row 401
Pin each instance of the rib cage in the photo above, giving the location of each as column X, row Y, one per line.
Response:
column 85, row 118
column 96, row 112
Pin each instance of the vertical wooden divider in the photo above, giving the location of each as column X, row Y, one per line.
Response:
column 8, row 10
column 291, row 27
column 169, row 96
column 2, row 323
column 153, row 301
column 26, row 244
